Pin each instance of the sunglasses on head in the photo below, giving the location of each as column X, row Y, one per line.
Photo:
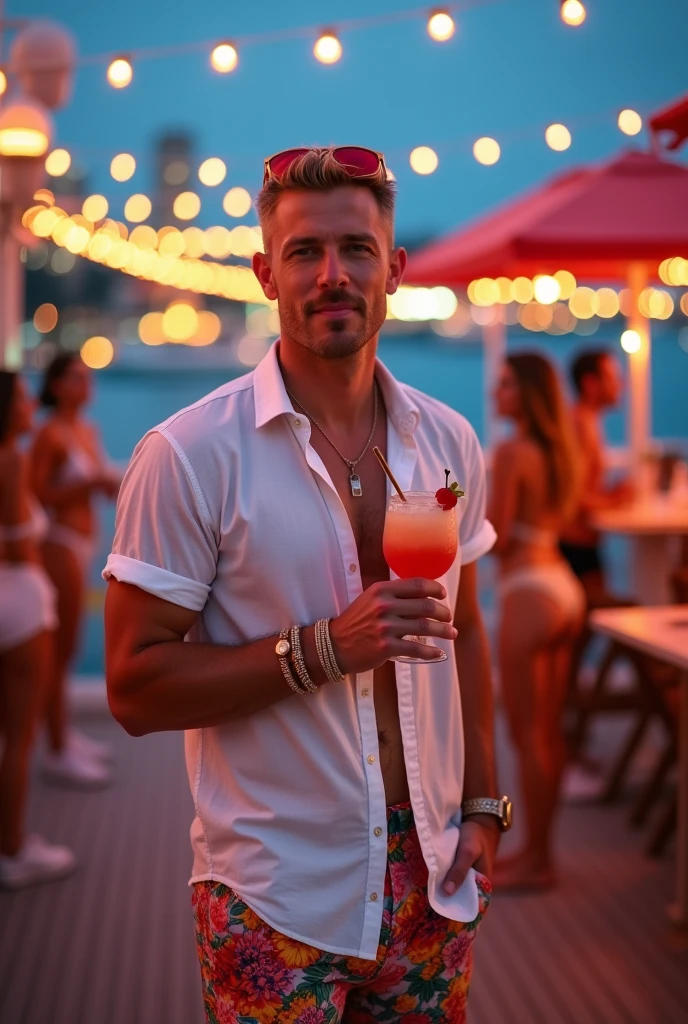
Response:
column 357, row 161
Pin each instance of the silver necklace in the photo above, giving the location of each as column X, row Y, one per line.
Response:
column 354, row 479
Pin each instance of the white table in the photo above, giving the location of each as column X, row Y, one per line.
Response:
column 663, row 633
column 653, row 527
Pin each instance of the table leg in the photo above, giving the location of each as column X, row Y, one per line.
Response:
column 650, row 568
column 678, row 911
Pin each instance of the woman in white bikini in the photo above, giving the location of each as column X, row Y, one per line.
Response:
column 27, row 623
column 69, row 468
column 535, row 490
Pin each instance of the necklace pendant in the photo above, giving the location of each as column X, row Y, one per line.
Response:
column 356, row 489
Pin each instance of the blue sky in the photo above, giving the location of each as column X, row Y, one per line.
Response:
column 511, row 69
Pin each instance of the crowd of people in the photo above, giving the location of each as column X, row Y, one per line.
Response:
column 49, row 477
column 546, row 479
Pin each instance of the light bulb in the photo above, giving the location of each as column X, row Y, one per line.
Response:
column 441, row 26
column 224, row 58
column 120, row 73
column 328, row 49
column 573, row 12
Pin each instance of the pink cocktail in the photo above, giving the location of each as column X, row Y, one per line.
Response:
column 420, row 539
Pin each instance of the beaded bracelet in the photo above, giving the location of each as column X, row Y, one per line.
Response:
column 299, row 663
column 325, row 650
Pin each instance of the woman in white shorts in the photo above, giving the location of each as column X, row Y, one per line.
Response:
column 69, row 469
column 27, row 624
column 534, row 492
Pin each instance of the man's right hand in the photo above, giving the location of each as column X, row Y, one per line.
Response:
column 370, row 631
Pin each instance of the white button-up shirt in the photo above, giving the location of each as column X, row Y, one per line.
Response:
column 226, row 509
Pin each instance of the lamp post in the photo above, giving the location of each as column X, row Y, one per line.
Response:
column 40, row 71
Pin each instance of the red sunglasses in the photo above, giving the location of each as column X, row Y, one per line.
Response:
column 357, row 161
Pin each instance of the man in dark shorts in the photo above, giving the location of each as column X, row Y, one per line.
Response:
column 597, row 380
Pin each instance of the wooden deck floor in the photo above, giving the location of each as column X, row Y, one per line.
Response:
column 114, row 943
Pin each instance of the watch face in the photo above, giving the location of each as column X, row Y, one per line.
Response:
column 283, row 647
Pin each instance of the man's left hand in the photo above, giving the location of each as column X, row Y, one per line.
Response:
column 478, row 843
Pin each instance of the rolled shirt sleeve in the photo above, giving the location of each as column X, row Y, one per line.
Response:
column 476, row 533
column 164, row 541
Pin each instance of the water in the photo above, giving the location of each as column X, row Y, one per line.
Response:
column 128, row 402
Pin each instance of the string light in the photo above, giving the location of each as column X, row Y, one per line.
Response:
column 95, row 208
column 58, row 163
column 186, row 206
column 237, row 202
column 441, row 26
column 573, row 12
column 120, row 73
column 137, row 208
column 328, row 49
column 630, row 122
column 212, row 171
column 224, row 58
column 566, row 282
column 423, row 160
column 558, row 137
column 486, row 151
column 631, row 342
column 97, row 352
column 122, row 167
column 546, row 289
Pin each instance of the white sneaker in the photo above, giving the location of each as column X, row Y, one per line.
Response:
column 80, row 743
column 37, row 861
column 74, row 768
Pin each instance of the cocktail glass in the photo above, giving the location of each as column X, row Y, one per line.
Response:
column 420, row 539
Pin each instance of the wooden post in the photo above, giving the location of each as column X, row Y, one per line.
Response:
column 639, row 405
column 494, row 353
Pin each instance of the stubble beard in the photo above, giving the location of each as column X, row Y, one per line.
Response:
column 339, row 341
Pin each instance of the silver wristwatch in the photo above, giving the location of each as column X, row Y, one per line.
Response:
column 501, row 809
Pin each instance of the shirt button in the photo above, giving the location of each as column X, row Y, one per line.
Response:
column 352, row 567
column 371, row 759
column 377, row 831
column 297, row 423
column 365, row 692
column 373, row 896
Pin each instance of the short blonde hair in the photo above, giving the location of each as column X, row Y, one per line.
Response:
column 318, row 171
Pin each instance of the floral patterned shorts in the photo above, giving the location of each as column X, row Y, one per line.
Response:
column 252, row 974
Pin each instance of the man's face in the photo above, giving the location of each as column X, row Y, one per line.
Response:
column 330, row 266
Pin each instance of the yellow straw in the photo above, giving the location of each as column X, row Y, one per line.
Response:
column 383, row 462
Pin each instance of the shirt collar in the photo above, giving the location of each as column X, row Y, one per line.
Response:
column 271, row 398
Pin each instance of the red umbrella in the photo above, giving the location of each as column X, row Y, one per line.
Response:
column 594, row 222
column 617, row 221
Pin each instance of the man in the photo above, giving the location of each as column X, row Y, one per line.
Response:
column 597, row 382
column 331, row 880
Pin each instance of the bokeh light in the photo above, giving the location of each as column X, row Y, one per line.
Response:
column 423, row 160
column 237, row 202
column 522, row 289
column 212, row 171
column 44, row 195
column 217, row 242
column 45, row 317
column 58, row 163
column 170, row 242
column 546, row 289
column 176, row 172
column 122, row 167
column 558, row 137
column 95, row 208
column 97, row 352
column 145, row 237
column 683, row 303
column 120, row 73
column 567, row 283
column 224, row 58
column 573, row 12
column 194, row 242
column 584, row 303
column 3, row 83
column 179, row 321
column 328, row 49
column 150, row 329
column 486, row 151
column 137, row 208
column 607, row 303
column 209, row 328
column 631, row 342
column 186, row 206
column 441, row 26
column 630, row 122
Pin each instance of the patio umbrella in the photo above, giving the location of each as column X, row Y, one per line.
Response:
column 613, row 222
